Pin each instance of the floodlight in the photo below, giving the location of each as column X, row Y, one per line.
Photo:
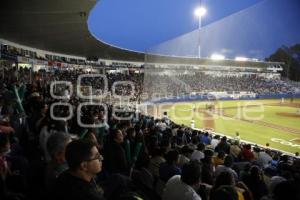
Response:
column 200, row 11
column 217, row 57
column 241, row 59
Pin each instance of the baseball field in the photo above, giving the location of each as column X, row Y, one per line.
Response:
column 275, row 121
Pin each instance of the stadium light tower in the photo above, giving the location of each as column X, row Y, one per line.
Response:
column 199, row 12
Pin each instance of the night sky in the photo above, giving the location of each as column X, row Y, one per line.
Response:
column 162, row 26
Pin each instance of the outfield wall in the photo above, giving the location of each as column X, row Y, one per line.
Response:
column 185, row 98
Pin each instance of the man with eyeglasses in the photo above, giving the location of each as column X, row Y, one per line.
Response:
column 78, row 182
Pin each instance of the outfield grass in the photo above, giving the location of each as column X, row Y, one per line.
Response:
column 183, row 113
column 268, row 114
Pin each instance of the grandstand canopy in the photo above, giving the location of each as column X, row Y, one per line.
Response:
column 56, row 25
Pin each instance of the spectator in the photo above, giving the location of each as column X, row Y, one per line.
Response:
column 219, row 159
column 256, row 183
column 223, row 146
column 247, row 154
column 208, row 167
column 184, row 186
column 90, row 135
column 274, row 162
column 237, row 137
column 225, row 193
column 170, row 167
column 115, row 159
column 235, row 150
column 142, row 177
column 4, row 168
column 78, row 182
column 286, row 190
column 6, row 129
column 228, row 162
column 226, row 178
column 156, row 132
column 206, row 139
column 215, row 141
column 195, row 140
column 185, row 155
column 46, row 131
column 284, row 164
column 156, row 160
column 264, row 158
column 4, row 150
column 56, row 147
column 274, row 181
column 198, row 153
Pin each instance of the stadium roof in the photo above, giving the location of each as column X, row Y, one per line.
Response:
column 56, row 25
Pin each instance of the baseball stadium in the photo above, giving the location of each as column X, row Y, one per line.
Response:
column 260, row 110
column 154, row 100
column 256, row 121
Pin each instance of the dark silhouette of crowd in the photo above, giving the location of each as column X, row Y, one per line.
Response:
column 119, row 158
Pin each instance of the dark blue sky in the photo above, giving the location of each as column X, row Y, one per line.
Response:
column 140, row 25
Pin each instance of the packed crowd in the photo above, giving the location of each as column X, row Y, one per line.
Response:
column 137, row 158
column 12, row 51
column 132, row 86
column 179, row 84
column 9, row 50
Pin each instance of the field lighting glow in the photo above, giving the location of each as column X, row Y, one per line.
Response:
column 217, row 57
column 199, row 12
column 241, row 59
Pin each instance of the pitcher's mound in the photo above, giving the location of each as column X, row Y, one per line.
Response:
column 295, row 115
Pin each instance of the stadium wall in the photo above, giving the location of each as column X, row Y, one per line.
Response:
column 209, row 97
column 246, row 142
